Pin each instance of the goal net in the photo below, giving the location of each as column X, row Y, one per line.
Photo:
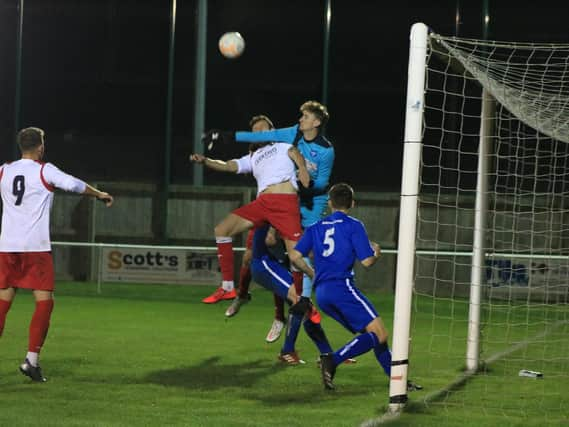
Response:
column 485, row 201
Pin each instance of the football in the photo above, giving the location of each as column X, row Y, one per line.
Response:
column 231, row 45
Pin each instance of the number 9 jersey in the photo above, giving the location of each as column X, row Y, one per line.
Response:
column 27, row 189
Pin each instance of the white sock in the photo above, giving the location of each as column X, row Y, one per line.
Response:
column 223, row 239
column 32, row 358
column 227, row 285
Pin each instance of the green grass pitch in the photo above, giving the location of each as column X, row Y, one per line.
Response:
column 152, row 355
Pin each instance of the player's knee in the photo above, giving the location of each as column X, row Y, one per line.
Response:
column 222, row 230
column 377, row 328
column 226, row 228
column 382, row 335
column 7, row 294
column 40, row 295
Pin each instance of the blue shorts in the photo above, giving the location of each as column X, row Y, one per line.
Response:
column 311, row 216
column 342, row 301
column 271, row 275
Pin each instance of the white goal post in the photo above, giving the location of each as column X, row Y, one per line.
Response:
column 408, row 216
column 485, row 195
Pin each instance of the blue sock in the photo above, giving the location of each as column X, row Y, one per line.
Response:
column 306, row 282
column 359, row 345
column 292, row 328
column 383, row 356
column 317, row 335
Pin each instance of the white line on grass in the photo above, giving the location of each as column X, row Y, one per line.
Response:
column 464, row 377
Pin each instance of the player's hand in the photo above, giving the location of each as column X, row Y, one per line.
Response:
column 106, row 198
column 198, row 158
column 215, row 136
column 376, row 249
column 210, row 138
column 306, row 196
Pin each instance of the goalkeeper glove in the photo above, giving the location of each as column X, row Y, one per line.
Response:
column 302, row 306
column 306, row 195
column 215, row 136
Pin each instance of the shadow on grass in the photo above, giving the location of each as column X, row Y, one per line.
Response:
column 308, row 395
column 210, row 374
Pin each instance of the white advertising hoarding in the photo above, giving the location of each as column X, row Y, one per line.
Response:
column 523, row 272
column 183, row 267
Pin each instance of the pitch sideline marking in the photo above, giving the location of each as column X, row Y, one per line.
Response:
column 464, row 377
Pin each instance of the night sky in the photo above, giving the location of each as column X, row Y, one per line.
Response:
column 95, row 72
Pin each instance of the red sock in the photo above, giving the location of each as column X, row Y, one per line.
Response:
column 279, row 308
column 297, row 278
column 225, row 256
column 39, row 325
column 244, row 281
column 4, row 307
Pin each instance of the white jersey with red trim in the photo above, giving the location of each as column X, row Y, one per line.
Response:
column 27, row 188
column 269, row 165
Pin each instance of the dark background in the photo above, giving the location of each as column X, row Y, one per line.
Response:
column 94, row 76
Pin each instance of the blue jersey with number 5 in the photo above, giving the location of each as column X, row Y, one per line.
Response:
column 336, row 241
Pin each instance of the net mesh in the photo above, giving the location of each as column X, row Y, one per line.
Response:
column 524, row 310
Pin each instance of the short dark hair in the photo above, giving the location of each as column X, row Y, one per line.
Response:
column 254, row 120
column 259, row 118
column 30, row 138
column 318, row 109
column 341, row 196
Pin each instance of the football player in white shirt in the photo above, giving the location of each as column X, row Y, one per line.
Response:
column 257, row 123
column 273, row 166
column 26, row 187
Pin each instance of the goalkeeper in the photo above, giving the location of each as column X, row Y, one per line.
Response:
column 318, row 152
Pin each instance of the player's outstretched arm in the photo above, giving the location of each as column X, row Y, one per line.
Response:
column 104, row 197
column 214, row 137
column 214, row 164
column 52, row 175
column 286, row 135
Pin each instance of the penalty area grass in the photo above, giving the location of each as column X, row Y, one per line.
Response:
column 146, row 355
column 156, row 355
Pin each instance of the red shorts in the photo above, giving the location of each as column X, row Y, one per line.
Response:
column 282, row 211
column 27, row 270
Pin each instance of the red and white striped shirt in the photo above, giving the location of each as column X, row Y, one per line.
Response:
column 27, row 188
